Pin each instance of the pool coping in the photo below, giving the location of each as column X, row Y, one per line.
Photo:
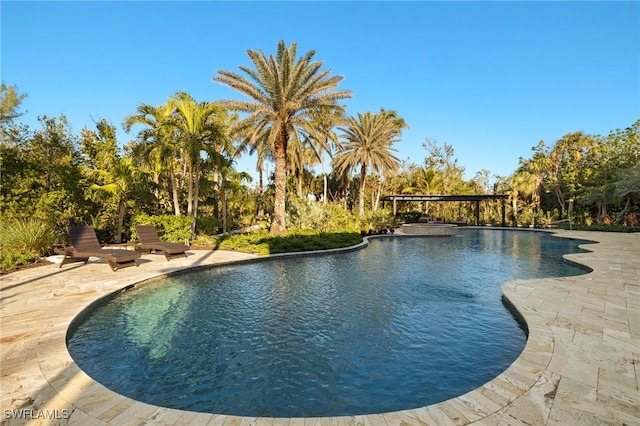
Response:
column 580, row 364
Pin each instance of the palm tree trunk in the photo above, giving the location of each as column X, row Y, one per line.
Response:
column 300, row 177
column 260, row 195
column 377, row 199
column 217, row 194
column 196, row 195
column 363, row 175
column 156, row 192
column 278, row 225
column 223, row 201
column 325, row 184
column 122, row 205
column 190, row 196
column 174, row 192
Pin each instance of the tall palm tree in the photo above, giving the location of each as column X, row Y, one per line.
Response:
column 523, row 184
column 369, row 138
column 158, row 149
column 283, row 90
column 200, row 128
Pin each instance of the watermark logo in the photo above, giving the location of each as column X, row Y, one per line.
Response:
column 36, row 414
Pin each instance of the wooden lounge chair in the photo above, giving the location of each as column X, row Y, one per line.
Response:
column 150, row 241
column 85, row 245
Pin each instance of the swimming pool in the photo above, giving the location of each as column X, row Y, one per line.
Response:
column 403, row 323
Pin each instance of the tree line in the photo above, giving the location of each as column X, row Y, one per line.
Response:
column 182, row 162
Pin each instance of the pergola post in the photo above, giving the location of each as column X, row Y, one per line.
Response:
column 504, row 215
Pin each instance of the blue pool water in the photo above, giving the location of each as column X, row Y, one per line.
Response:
column 403, row 323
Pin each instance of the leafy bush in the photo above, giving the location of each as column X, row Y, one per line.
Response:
column 207, row 225
column 339, row 219
column 305, row 214
column 24, row 241
column 408, row 217
column 169, row 227
column 377, row 219
column 30, row 235
column 11, row 260
column 296, row 240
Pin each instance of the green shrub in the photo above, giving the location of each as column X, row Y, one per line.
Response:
column 302, row 213
column 377, row 219
column 23, row 236
column 207, row 225
column 24, row 241
column 169, row 227
column 408, row 217
column 296, row 240
column 12, row 260
column 339, row 219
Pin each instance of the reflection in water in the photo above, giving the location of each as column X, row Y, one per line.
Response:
column 404, row 323
column 152, row 320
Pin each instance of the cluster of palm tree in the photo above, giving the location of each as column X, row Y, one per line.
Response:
column 174, row 139
column 290, row 116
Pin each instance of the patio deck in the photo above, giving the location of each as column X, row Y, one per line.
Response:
column 580, row 366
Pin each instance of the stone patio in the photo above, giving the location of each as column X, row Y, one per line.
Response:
column 580, row 366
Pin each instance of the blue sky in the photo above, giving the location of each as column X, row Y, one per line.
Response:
column 491, row 79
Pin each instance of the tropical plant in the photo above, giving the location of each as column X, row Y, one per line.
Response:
column 169, row 227
column 523, row 185
column 368, row 138
column 425, row 181
column 23, row 241
column 157, row 151
column 229, row 181
column 201, row 126
column 112, row 178
column 284, row 90
column 322, row 139
column 117, row 183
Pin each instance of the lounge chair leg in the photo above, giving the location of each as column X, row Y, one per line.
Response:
column 69, row 259
column 119, row 265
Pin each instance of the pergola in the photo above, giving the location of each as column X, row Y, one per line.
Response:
column 450, row 198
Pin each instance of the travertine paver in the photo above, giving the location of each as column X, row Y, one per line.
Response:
column 580, row 366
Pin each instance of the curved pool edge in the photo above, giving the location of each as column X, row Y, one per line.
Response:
column 553, row 378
